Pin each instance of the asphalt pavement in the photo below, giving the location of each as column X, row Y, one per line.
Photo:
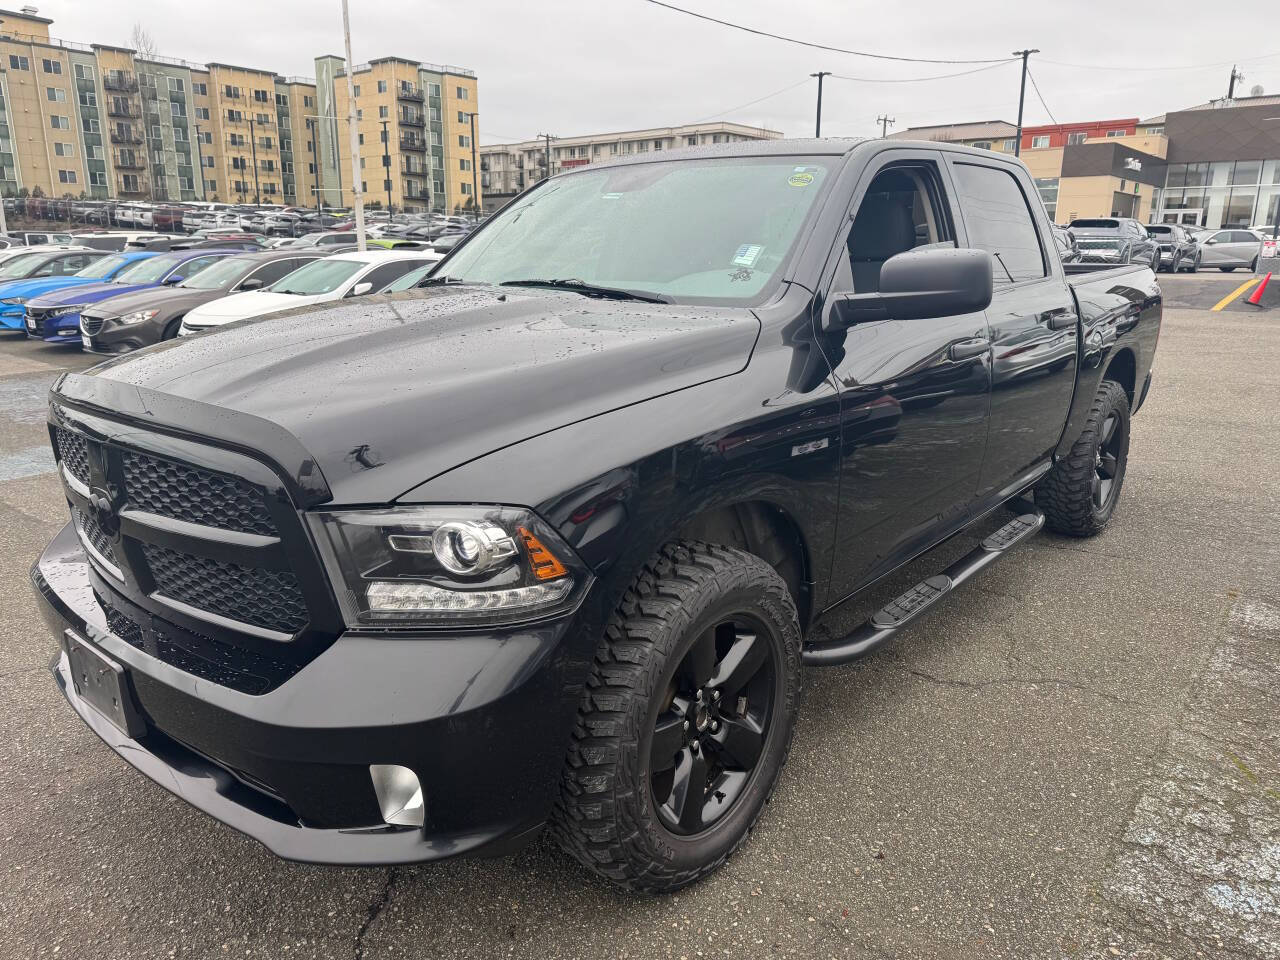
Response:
column 1075, row 756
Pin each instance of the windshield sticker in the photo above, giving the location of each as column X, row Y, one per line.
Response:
column 747, row 254
column 800, row 179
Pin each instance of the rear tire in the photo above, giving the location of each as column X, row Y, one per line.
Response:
column 632, row 771
column 1079, row 495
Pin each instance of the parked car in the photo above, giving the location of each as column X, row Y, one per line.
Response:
column 147, row 316
column 514, row 548
column 39, row 264
column 332, row 278
column 55, row 317
column 117, row 239
column 1064, row 243
column 10, row 253
column 329, row 238
column 1114, row 240
column 1228, row 249
column 15, row 294
column 32, row 238
column 1177, row 247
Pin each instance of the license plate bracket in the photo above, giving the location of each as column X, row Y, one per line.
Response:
column 103, row 684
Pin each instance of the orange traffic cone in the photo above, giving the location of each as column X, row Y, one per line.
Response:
column 1256, row 299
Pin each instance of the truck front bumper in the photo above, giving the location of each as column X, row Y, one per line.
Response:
column 482, row 719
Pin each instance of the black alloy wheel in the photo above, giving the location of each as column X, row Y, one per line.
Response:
column 708, row 738
column 1107, row 462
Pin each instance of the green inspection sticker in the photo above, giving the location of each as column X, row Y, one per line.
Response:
column 800, row 179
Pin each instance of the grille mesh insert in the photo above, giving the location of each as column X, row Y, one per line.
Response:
column 93, row 533
column 195, row 495
column 73, row 451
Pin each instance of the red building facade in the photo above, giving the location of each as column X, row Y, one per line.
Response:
column 1062, row 134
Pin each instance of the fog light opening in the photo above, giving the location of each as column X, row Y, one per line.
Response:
column 399, row 794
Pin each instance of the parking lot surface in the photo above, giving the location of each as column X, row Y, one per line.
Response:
column 1075, row 756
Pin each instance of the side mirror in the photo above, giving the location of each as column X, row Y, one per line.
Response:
column 361, row 288
column 920, row 284
column 172, row 279
column 253, row 283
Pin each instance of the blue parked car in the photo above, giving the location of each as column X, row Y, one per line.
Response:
column 15, row 293
column 55, row 317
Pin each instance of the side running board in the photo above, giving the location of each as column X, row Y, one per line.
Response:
column 921, row 598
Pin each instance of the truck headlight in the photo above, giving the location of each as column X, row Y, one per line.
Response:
column 440, row 565
column 137, row 317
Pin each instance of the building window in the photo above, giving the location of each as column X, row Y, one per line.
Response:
column 1048, row 189
column 464, row 140
column 156, row 132
column 55, row 95
column 261, row 96
column 84, row 71
column 463, row 93
column 200, row 89
column 464, row 164
column 66, row 176
column 202, row 113
column 231, row 92
column 130, row 182
column 207, row 162
column 235, row 116
column 1117, row 133
column 177, row 85
column 357, row 89
column 308, row 101
column 177, row 109
column 982, row 144
column 19, row 63
column 90, row 125
column 1038, row 142
column 1155, row 131
column 1074, row 138
column 361, row 138
column 382, row 86
column 51, row 66
column 88, row 99
column 59, row 123
column 466, row 189
column 210, row 186
column 384, row 112
column 64, row 149
column 359, row 114
column 1010, row 145
column 98, row 178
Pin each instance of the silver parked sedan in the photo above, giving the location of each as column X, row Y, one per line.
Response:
column 1228, row 249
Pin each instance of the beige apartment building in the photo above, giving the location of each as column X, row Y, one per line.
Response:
column 104, row 121
column 508, row 168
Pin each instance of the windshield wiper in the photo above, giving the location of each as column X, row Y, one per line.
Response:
column 438, row 281
column 591, row 290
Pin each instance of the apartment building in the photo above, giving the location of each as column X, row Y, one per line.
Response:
column 107, row 122
column 506, row 169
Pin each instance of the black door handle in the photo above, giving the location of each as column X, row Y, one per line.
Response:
column 966, row 349
column 1061, row 319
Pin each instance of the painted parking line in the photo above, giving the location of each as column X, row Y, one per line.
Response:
column 27, row 462
column 1230, row 297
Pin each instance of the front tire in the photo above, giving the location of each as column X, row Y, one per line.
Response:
column 686, row 720
column 1079, row 495
column 1226, row 269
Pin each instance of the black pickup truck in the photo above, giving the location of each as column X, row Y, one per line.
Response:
column 550, row 539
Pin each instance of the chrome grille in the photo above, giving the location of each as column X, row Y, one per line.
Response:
column 90, row 324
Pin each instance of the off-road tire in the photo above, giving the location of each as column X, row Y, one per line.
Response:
column 1066, row 493
column 605, row 815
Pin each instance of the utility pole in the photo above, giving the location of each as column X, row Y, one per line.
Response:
column 817, row 127
column 315, row 163
column 547, row 157
column 253, row 145
column 885, row 123
column 199, row 161
column 1231, row 84
column 475, row 194
column 386, row 165
column 1022, row 98
column 355, row 135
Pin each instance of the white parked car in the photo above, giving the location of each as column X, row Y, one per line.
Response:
column 10, row 252
column 321, row 281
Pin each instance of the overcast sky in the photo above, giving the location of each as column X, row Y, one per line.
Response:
column 571, row 67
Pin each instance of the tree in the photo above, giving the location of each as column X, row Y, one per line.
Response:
column 143, row 43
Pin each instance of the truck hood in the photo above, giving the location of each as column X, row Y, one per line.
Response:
column 385, row 393
column 86, row 293
column 254, row 303
column 153, row 298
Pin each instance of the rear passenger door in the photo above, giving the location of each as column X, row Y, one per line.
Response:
column 1032, row 319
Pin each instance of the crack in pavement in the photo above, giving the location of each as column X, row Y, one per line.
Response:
column 376, row 909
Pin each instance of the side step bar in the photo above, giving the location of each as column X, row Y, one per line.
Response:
column 921, row 598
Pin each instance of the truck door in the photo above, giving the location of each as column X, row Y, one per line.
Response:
column 914, row 393
column 1032, row 319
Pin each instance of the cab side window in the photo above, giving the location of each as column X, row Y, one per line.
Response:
column 1000, row 222
column 902, row 209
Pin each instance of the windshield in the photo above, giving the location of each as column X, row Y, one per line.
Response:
column 1156, row 228
column 20, row 266
column 709, row 229
column 217, row 276
column 150, row 270
column 409, row 280
column 103, row 267
column 319, row 276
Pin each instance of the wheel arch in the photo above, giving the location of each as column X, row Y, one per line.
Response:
column 1123, row 369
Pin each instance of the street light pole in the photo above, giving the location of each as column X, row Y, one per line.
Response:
column 817, row 127
column 1022, row 97
column 475, row 194
column 315, row 163
column 199, row 160
column 355, row 135
column 386, row 165
column 253, row 146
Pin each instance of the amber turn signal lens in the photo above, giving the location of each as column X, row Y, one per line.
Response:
column 544, row 562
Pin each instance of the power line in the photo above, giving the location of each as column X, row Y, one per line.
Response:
column 936, row 76
column 1036, row 87
column 807, row 43
column 767, row 96
column 1197, row 66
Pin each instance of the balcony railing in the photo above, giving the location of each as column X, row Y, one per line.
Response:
column 127, row 136
column 124, row 187
column 420, row 195
column 412, row 119
column 412, row 93
column 129, row 161
column 126, row 110
column 411, row 143
column 124, row 82
column 413, row 169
